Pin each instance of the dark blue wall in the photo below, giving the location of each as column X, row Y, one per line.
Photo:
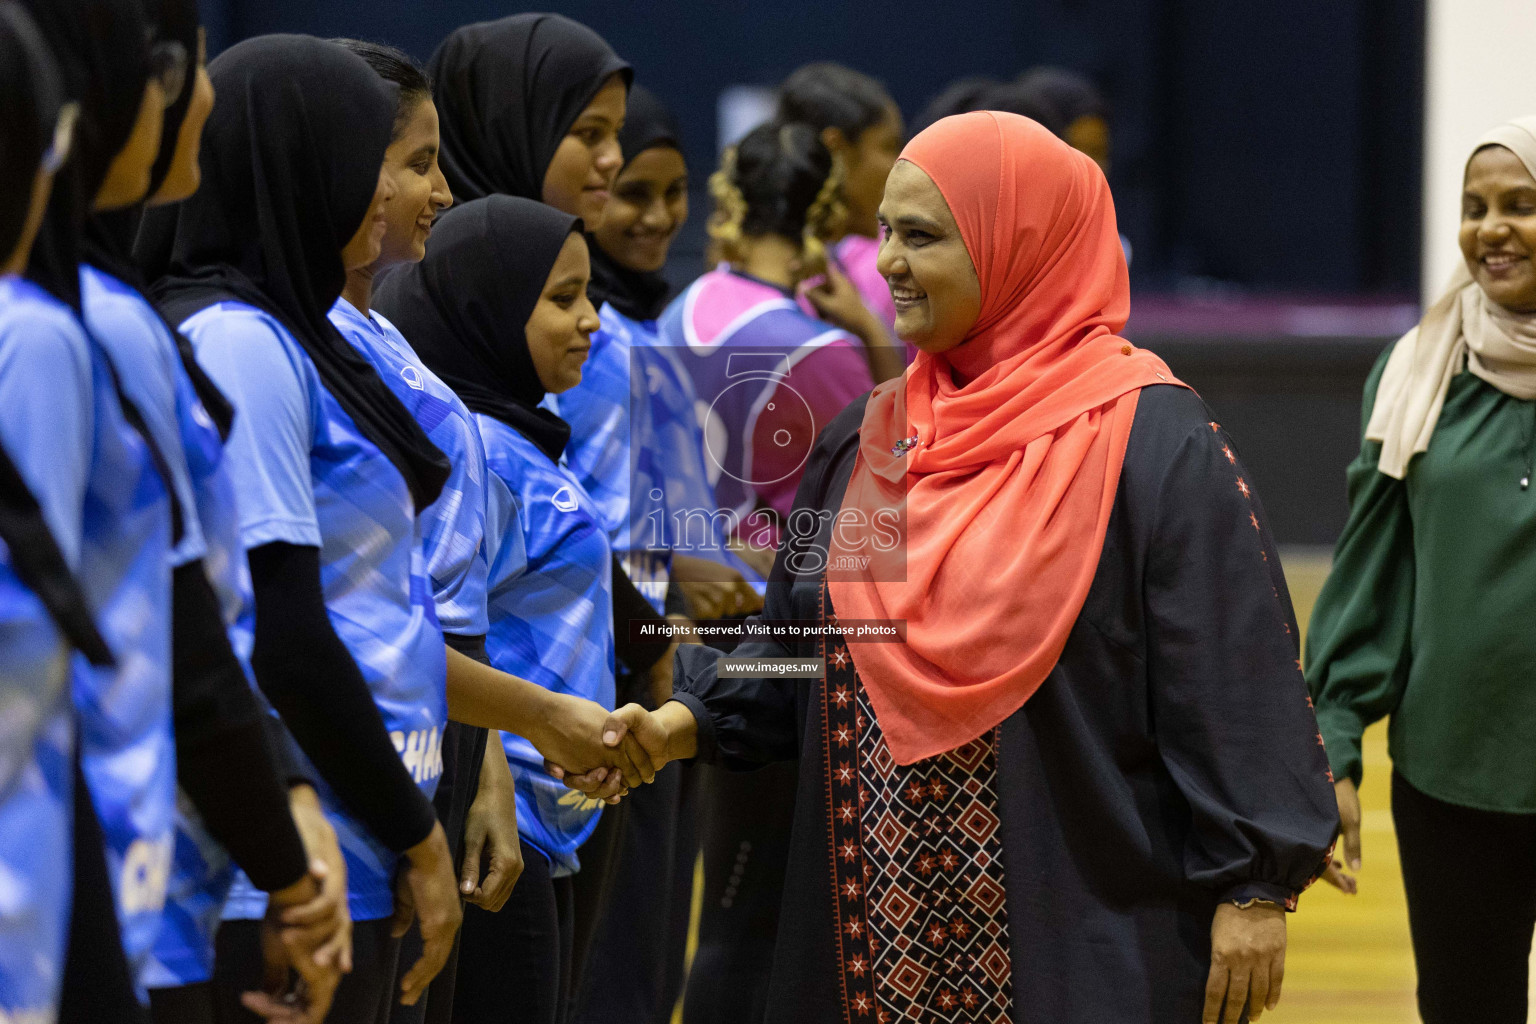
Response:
column 1258, row 145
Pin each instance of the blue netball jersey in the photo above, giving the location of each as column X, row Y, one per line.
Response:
column 305, row 475
column 36, row 748
column 128, row 751
column 637, row 447
column 551, row 609
column 201, row 871
column 40, row 341
column 453, row 526
column 151, row 375
column 144, row 356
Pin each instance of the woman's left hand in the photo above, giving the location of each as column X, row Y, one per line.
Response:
column 839, row 303
column 490, row 831
column 1247, row 962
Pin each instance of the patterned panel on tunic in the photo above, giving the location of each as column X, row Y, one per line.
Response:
column 917, row 864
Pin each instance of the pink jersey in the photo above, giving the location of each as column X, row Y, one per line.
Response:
column 768, row 379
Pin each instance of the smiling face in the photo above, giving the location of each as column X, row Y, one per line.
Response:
column 560, row 329
column 421, row 191
column 368, row 242
column 1498, row 228
column 924, row 261
column 649, row 206
column 581, row 174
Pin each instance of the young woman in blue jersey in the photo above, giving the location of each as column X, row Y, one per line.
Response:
column 531, row 106
column 126, row 714
column 475, row 799
column 47, row 423
column 498, row 310
column 329, row 470
column 635, row 441
column 43, row 609
column 476, row 786
column 637, row 448
column 224, row 765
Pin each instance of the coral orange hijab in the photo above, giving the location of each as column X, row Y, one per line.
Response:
column 1008, row 490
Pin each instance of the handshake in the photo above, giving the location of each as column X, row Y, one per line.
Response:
column 606, row 754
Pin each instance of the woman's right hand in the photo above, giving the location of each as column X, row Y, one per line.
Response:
column 670, row 733
column 1349, row 837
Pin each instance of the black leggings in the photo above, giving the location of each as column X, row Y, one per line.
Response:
column 745, row 827
column 630, row 966
column 185, row 1004
column 1470, row 877
column 515, row 965
column 363, row 997
column 463, row 754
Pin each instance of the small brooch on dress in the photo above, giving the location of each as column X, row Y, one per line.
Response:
column 905, row 445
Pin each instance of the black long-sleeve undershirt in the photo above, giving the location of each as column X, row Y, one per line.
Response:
column 223, row 762
column 630, row 605
column 311, row 679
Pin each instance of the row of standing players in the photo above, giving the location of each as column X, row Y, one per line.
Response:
column 431, row 556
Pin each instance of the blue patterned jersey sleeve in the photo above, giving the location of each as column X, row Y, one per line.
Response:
column 274, row 427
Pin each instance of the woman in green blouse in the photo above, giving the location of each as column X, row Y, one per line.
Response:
column 1429, row 614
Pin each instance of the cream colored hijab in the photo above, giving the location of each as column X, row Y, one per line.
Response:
column 1463, row 325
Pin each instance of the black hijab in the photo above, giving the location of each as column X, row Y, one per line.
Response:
column 648, row 124
column 102, row 47
column 465, row 306
column 31, row 94
column 109, row 236
column 507, row 92
column 637, row 294
column 290, row 162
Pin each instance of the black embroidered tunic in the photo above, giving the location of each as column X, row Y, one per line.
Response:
column 1169, row 762
column 918, row 855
